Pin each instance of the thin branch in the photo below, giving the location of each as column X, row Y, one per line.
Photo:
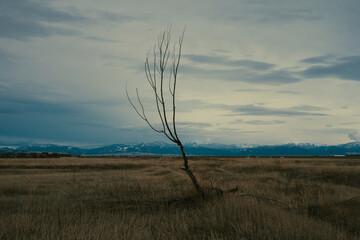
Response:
column 135, row 108
column 148, row 73
column 141, row 115
column 170, row 76
column 162, row 54
column 157, row 97
column 175, row 71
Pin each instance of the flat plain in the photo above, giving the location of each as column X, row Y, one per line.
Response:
column 152, row 198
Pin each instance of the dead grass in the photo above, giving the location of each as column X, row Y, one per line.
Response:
column 151, row 198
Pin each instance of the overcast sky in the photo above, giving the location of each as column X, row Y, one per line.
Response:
column 252, row 72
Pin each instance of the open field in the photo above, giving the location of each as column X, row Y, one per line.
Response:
column 151, row 198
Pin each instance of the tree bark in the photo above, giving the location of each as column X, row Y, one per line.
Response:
column 189, row 172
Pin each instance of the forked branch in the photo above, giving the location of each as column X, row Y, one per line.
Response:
column 157, row 75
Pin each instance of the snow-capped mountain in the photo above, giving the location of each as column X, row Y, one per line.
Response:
column 161, row 148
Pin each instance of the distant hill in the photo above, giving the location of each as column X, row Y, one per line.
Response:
column 160, row 148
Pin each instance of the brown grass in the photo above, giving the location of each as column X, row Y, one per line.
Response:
column 151, row 198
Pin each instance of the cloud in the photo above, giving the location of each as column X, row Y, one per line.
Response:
column 270, row 77
column 252, row 90
column 308, row 108
column 320, row 59
column 256, row 110
column 7, row 60
column 194, row 124
column 346, row 68
column 278, row 15
column 266, row 90
column 288, row 92
column 59, row 129
column 238, row 131
column 117, row 17
column 22, row 19
column 35, row 11
column 41, row 115
column 243, row 70
column 224, row 60
column 15, row 29
column 261, row 122
column 20, row 102
column 268, row 12
column 252, row 110
column 184, row 105
column 25, row 19
column 275, row 77
column 355, row 135
column 348, row 123
column 100, row 39
column 6, row 56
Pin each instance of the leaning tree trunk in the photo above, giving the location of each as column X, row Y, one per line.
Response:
column 189, row 172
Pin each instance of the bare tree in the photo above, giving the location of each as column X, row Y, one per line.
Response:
column 161, row 73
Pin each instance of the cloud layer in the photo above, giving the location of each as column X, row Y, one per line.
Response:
column 244, row 70
column 21, row 19
column 346, row 68
column 264, row 72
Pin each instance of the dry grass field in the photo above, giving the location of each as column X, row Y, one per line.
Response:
column 151, row 198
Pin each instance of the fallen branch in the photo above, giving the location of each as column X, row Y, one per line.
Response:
column 288, row 205
column 347, row 200
column 221, row 192
column 259, row 197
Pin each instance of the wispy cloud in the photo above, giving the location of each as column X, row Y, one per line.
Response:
column 248, row 75
column 288, row 92
column 259, row 110
column 269, row 12
column 346, row 68
column 260, row 122
column 118, row 17
column 320, row 59
column 7, row 60
column 308, row 108
column 278, row 15
column 5, row 56
column 100, row 39
column 41, row 115
column 20, row 102
column 354, row 135
column 22, row 19
column 252, row 90
column 226, row 61
column 194, row 124
column 257, row 90
column 252, row 110
column 239, row 131
column 349, row 123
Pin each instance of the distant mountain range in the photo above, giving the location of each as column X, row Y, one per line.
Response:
column 160, row 148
